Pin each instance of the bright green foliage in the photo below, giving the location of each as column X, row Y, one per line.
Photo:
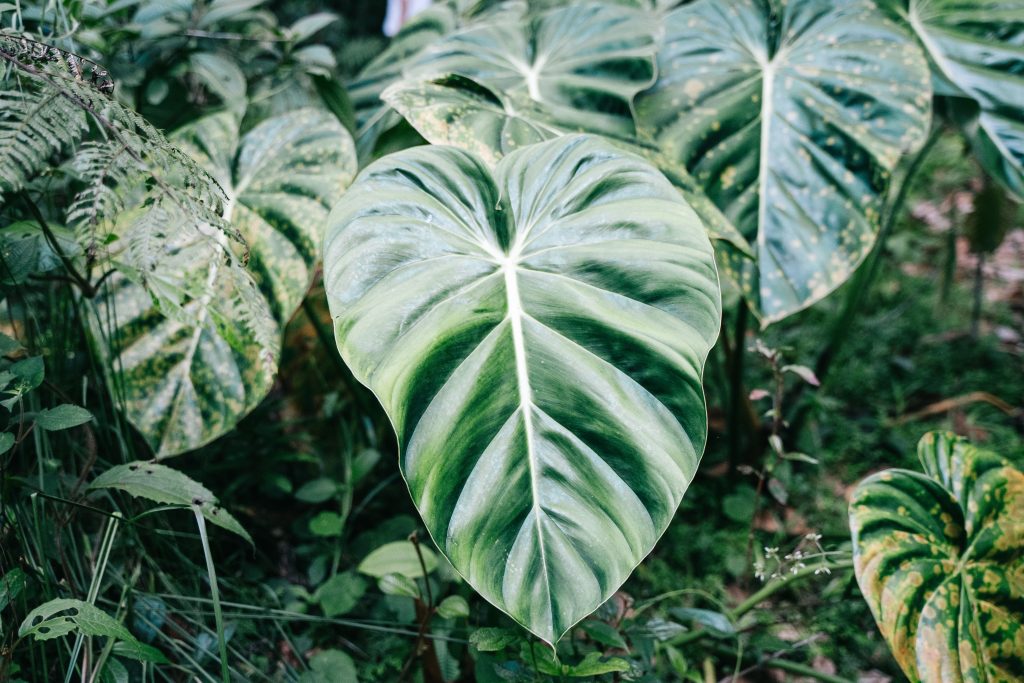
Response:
column 792, row 129
column 537, row 334
column 62, row 616
column 940, row 558
column 162, row 484
column 189, row 368
column 398, row 558
column 975, row 49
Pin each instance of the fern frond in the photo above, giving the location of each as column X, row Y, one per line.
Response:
column 35, row 125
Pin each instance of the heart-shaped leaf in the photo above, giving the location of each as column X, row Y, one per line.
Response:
column 537, row 335
column 976, row 48
column 187, row 373
column 793, row 130
column 940, row 558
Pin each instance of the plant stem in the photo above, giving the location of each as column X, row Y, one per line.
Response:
column 774, row 587
column 102, row 559
column 218, row 616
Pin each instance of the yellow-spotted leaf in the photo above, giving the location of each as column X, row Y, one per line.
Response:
column 940, row 558
column 187, row 373
column 792, row 123
column 977, row 48
column 537, row 334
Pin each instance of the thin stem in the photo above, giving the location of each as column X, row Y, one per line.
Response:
column 87, row 289
column 102, row 558
column 218, row 616
column 774, row 587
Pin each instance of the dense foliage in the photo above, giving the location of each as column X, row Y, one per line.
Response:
column 512, row 258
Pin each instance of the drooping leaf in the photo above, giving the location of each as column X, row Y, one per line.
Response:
column 62, row 616
column 975, row 47
column 536, row 334
column 940, row 558
column 162, row 484
column 25, row 251
column 187, row 377
column 793, row 131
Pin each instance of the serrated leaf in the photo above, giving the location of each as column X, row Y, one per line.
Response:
column 939, row 557
column 538, row 330
column 61, row 417
column 62, row 616
column 398, row 557
column 975, row 47
column 186, row 379
column 792, row 130
column 161, row 484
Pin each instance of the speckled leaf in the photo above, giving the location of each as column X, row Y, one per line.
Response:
column 582, row 64
column 455, row 110
column 792, row 129
column 537, row 334
column 185, row 379
column 977, row 46
column 940, row 558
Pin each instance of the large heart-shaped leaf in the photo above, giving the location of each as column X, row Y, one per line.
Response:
column 536, row 334
column 977, row 47
column 187, row 373
column 940, row 559
column 582, row 64
column 793, row 130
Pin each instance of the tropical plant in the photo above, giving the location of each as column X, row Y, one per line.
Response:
column 939, row 557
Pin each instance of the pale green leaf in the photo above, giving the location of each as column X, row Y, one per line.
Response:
column 62, row 616
column 453, row 607
column 537, row 334
column 340, row 593
column 398, row 558
column 317, row 491
column 396, row 584
column 161, row 484
column 63, row 416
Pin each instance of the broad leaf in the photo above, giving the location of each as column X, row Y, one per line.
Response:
column 793, row 131
column 572, row 68
column 25, row 251
column 161, row 484
column 458, row 111
column 940, row 558
column 537, row 335
column 62, row 616
column 399, row 557
column 186, row 379
column 976, row 47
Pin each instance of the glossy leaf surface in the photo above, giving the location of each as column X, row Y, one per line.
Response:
column 187, row 378
column 940, row 558
column 977, row 46
column 537, row 334
column 792, row 129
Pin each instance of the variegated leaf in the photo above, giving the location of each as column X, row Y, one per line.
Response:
column 537, row 334
column 187, row 373
column 792, row 129
column 940, row 558
column 458, row 111
column 977, row 46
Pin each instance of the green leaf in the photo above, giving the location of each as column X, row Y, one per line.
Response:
column 537, row 332
column 594, row 665
column 330, row 666
column 308, row 25
column 793, row 131
column 187, row 378
column 6, row 441
column 20, row 378
column 61, row 417
column 715, row 621
column 62, row 616
column 317, row 491
column 326, row 524
column 573, row 68
column 161, row 484
column 604, row 634
column 975, row 48
column 11, row 585
column 939, row 557
column 398, row 558
column 492, row 639
column 340, row 594
column 396, row 584
column 8, row 345
column 453, row 607
column 25, row 251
